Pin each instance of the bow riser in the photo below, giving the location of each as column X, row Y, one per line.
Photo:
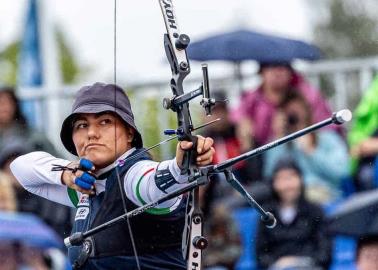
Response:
column 175, row 45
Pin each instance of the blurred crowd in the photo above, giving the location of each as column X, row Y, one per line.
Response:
column 294, row 181
column 18, row 138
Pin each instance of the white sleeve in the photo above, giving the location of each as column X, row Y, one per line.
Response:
column 141, row 188
column 33, row 171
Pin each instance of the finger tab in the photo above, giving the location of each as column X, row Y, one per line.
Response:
column 86, row 177
column 82, row 184
column 85, row 164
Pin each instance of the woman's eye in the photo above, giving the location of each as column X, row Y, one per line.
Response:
column 80, row 125
column 105, row 121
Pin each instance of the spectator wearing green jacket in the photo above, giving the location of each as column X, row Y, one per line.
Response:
column 363, row 138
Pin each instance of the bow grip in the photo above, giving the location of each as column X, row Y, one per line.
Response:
column 190, row 156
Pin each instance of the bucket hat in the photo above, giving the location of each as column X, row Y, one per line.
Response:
column 97, row 98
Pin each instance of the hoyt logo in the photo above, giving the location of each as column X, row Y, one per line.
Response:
column 194, row 265
column 169, row 14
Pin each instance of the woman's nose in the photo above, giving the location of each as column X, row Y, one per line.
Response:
column 93, row 131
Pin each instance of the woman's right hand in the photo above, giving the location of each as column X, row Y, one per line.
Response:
column 80, row 180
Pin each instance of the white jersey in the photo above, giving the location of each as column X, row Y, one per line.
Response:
column 34, row 173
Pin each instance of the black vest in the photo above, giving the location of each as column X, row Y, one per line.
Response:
column 152, row 233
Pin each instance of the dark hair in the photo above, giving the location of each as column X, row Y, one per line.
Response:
column 286, row 64
column 287, row 163
column 18, row 116
column 293, row 95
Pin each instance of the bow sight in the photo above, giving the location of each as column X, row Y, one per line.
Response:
column 176, row 102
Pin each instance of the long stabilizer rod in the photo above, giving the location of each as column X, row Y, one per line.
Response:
column 337, row 118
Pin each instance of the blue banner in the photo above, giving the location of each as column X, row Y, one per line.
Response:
column 30, row 70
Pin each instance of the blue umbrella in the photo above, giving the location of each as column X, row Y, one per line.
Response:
column 28, row 230
column 357, row 216
column 243, row 45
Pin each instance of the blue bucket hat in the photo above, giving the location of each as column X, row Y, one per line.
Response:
column 97, row 98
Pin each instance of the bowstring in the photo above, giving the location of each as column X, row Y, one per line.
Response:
column 115, row 138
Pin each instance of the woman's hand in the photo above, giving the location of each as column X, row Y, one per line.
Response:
column 80, row 180
column 245, row 133
column 279, row 125
column 205, row 150
column 307, row 143
column 366, row 148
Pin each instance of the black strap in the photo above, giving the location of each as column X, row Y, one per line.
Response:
column 83, row 256
column 164, row 180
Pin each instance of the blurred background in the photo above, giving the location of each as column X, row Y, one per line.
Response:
column 49, row 49
column 75, row 47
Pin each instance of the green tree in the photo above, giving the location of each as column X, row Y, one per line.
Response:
column 349, row 28
column 69, row 66
column 8, row 57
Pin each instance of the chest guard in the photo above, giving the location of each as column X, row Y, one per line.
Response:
column 152, row 232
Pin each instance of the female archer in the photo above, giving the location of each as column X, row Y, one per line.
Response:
column 102, row 133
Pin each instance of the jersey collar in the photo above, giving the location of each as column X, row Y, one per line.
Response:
column 115, row 163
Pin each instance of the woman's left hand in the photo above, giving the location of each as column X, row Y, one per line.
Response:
column 205, row 150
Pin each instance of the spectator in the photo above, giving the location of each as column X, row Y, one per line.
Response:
column 227, row 145
column 322, row 156
column 363, row 139
column 367, row 252
column 8, row 256
column 15, row 256
column 365, row 154
column 16, row 138
column 57, row 216
column 13, row 124
column 258, row 107
column 298, row 238
column 224, row 247
column 33, row 258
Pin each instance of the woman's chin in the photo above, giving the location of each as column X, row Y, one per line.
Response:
column 98, row 160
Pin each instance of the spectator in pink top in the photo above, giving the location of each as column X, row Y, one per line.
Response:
column 255, row 115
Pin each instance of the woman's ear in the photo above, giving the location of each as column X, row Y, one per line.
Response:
column 130, row 134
